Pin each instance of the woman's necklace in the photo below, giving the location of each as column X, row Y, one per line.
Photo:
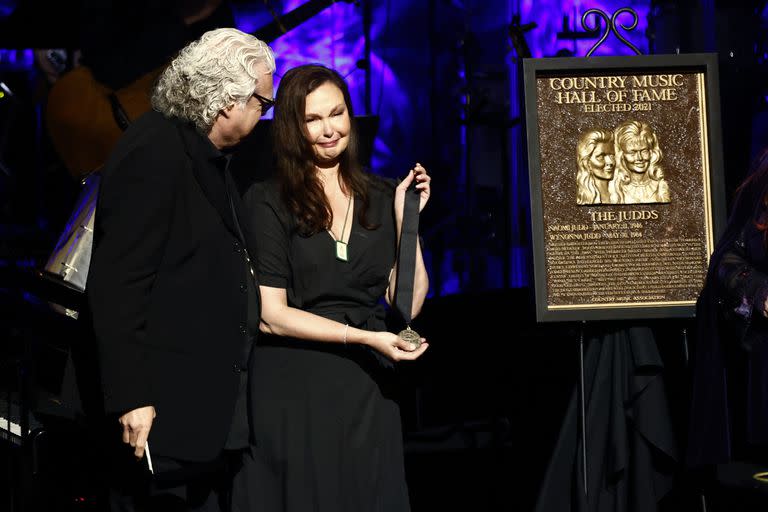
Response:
column 341, row 247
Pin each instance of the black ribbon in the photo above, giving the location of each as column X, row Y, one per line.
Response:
column 406, row 258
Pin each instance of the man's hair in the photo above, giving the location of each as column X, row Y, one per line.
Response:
column 208, row 75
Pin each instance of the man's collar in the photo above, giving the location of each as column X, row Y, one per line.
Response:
column 201, row 146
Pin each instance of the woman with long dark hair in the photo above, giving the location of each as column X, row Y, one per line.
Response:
column 729, row 415
column 327, row 427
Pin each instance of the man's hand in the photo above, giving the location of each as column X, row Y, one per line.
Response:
column 136, row 425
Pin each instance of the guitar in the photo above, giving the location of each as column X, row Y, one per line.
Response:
column 85, row 118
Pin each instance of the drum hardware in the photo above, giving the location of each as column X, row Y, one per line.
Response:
column 69, row 262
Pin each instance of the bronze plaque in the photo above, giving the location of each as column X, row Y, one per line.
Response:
column 624, row 159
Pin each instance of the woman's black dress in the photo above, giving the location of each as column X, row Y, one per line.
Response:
column 729, row 400
column 327, row 429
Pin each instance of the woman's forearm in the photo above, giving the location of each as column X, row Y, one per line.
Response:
column 296, row 323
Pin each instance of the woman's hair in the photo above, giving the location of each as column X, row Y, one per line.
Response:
column 295, row 158
column 626, row 132
column 218, row 70
column 752, row 193
column 587, row 192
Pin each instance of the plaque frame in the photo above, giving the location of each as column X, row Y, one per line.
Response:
column 535, row 68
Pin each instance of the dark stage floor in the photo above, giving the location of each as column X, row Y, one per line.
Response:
column 482, row 413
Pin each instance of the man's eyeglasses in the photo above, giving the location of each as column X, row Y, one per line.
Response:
column 266, row 103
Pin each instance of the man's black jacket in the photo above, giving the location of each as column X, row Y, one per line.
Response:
column 167, row 286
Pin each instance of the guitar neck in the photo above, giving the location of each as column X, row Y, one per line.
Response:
column 292, row 19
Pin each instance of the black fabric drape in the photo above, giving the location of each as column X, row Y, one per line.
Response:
column 631, row 447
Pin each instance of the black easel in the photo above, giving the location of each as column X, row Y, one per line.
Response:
column 611, row 25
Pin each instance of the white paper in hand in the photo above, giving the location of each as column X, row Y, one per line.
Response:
column 148, row 457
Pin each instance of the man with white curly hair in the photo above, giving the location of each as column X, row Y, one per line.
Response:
column 171, row 293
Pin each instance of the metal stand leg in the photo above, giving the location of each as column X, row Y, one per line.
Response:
column 10, row 469
column 582, row 406
column 686, row 362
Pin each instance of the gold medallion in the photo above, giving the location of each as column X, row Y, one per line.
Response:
column 411, row 337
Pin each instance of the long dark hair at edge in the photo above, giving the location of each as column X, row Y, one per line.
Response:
column 752, row 195
column 301, row 185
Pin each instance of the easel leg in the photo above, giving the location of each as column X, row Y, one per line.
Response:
column 582, row 407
